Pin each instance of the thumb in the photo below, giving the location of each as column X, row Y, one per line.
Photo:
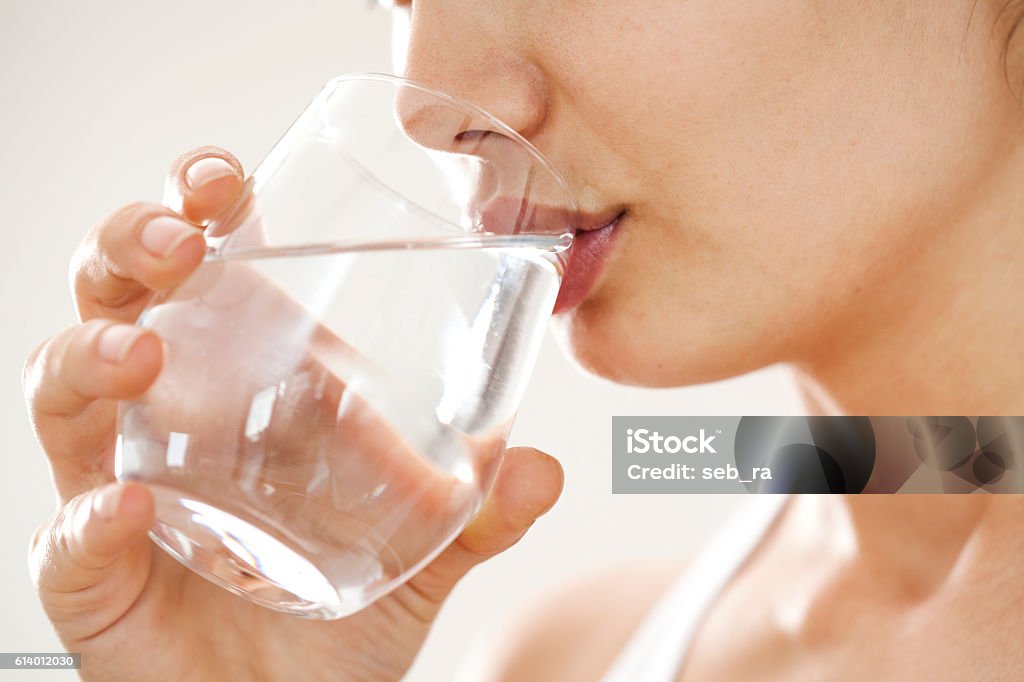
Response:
column 527, row 485
column 92, row 560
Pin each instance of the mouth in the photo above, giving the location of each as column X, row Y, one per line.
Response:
column 587, row 256
column 592, row 242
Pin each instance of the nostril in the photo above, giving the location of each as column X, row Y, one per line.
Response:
column 472, row 135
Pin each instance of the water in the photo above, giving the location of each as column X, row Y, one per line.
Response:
column 330, row 416
column 518, row 245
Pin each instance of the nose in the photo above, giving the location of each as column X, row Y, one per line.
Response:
column 474, row 51
column 460, row 47
column 496, row 182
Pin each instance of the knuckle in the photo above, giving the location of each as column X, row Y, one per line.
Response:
column 98, row 234
column 68, row 520
column 63, row 526
column 45, row 546
column 81, row 260
column 83, row 272
column 45, row 374
column 35, row 559
column 30, row 369
column 39, row 535
column 99, row 268
column 42, row 364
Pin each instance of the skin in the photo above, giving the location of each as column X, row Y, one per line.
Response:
column 833, row 186
column 837, row 187
column 131, row 610
column 788, row 143
column 888, row 589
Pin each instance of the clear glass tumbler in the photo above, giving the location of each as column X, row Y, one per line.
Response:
column 342, row 370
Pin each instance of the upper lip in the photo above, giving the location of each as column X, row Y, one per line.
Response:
column 595, row 221
column 505, row 215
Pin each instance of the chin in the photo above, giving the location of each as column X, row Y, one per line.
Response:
column 617, row 343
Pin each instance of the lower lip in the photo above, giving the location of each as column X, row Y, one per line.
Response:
column 587, row 257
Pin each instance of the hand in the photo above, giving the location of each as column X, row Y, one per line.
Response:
column 131, row 610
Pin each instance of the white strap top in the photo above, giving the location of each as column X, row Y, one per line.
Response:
column 658, row 648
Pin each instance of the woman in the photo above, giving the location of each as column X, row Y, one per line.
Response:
column 835, row 186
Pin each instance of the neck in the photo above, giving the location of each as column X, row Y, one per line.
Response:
column 943, row 336
column 918, row 542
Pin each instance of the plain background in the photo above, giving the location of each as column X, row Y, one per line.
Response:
column 97, row 99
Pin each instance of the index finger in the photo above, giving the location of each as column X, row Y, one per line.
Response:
column 141, row 247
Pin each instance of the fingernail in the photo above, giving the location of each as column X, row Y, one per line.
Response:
column 117, row 340
column 163, row 234
column 107, row 501
column 205, row 171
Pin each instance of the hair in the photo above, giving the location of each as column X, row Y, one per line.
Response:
column 1014, row 9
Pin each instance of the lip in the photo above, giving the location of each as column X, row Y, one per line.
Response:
column 587, row 257
column 592, row 242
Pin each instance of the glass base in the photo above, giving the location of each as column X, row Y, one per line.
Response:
column 246, row 560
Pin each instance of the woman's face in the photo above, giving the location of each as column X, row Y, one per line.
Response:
column 789, row 170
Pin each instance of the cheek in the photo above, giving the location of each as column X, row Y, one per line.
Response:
column 667, row 318
column 781, row 168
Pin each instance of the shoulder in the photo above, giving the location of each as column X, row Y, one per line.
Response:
column 575, row 630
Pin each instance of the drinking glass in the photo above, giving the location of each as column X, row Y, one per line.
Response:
column 342, row 370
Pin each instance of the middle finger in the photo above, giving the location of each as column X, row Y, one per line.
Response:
column 140, row 248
